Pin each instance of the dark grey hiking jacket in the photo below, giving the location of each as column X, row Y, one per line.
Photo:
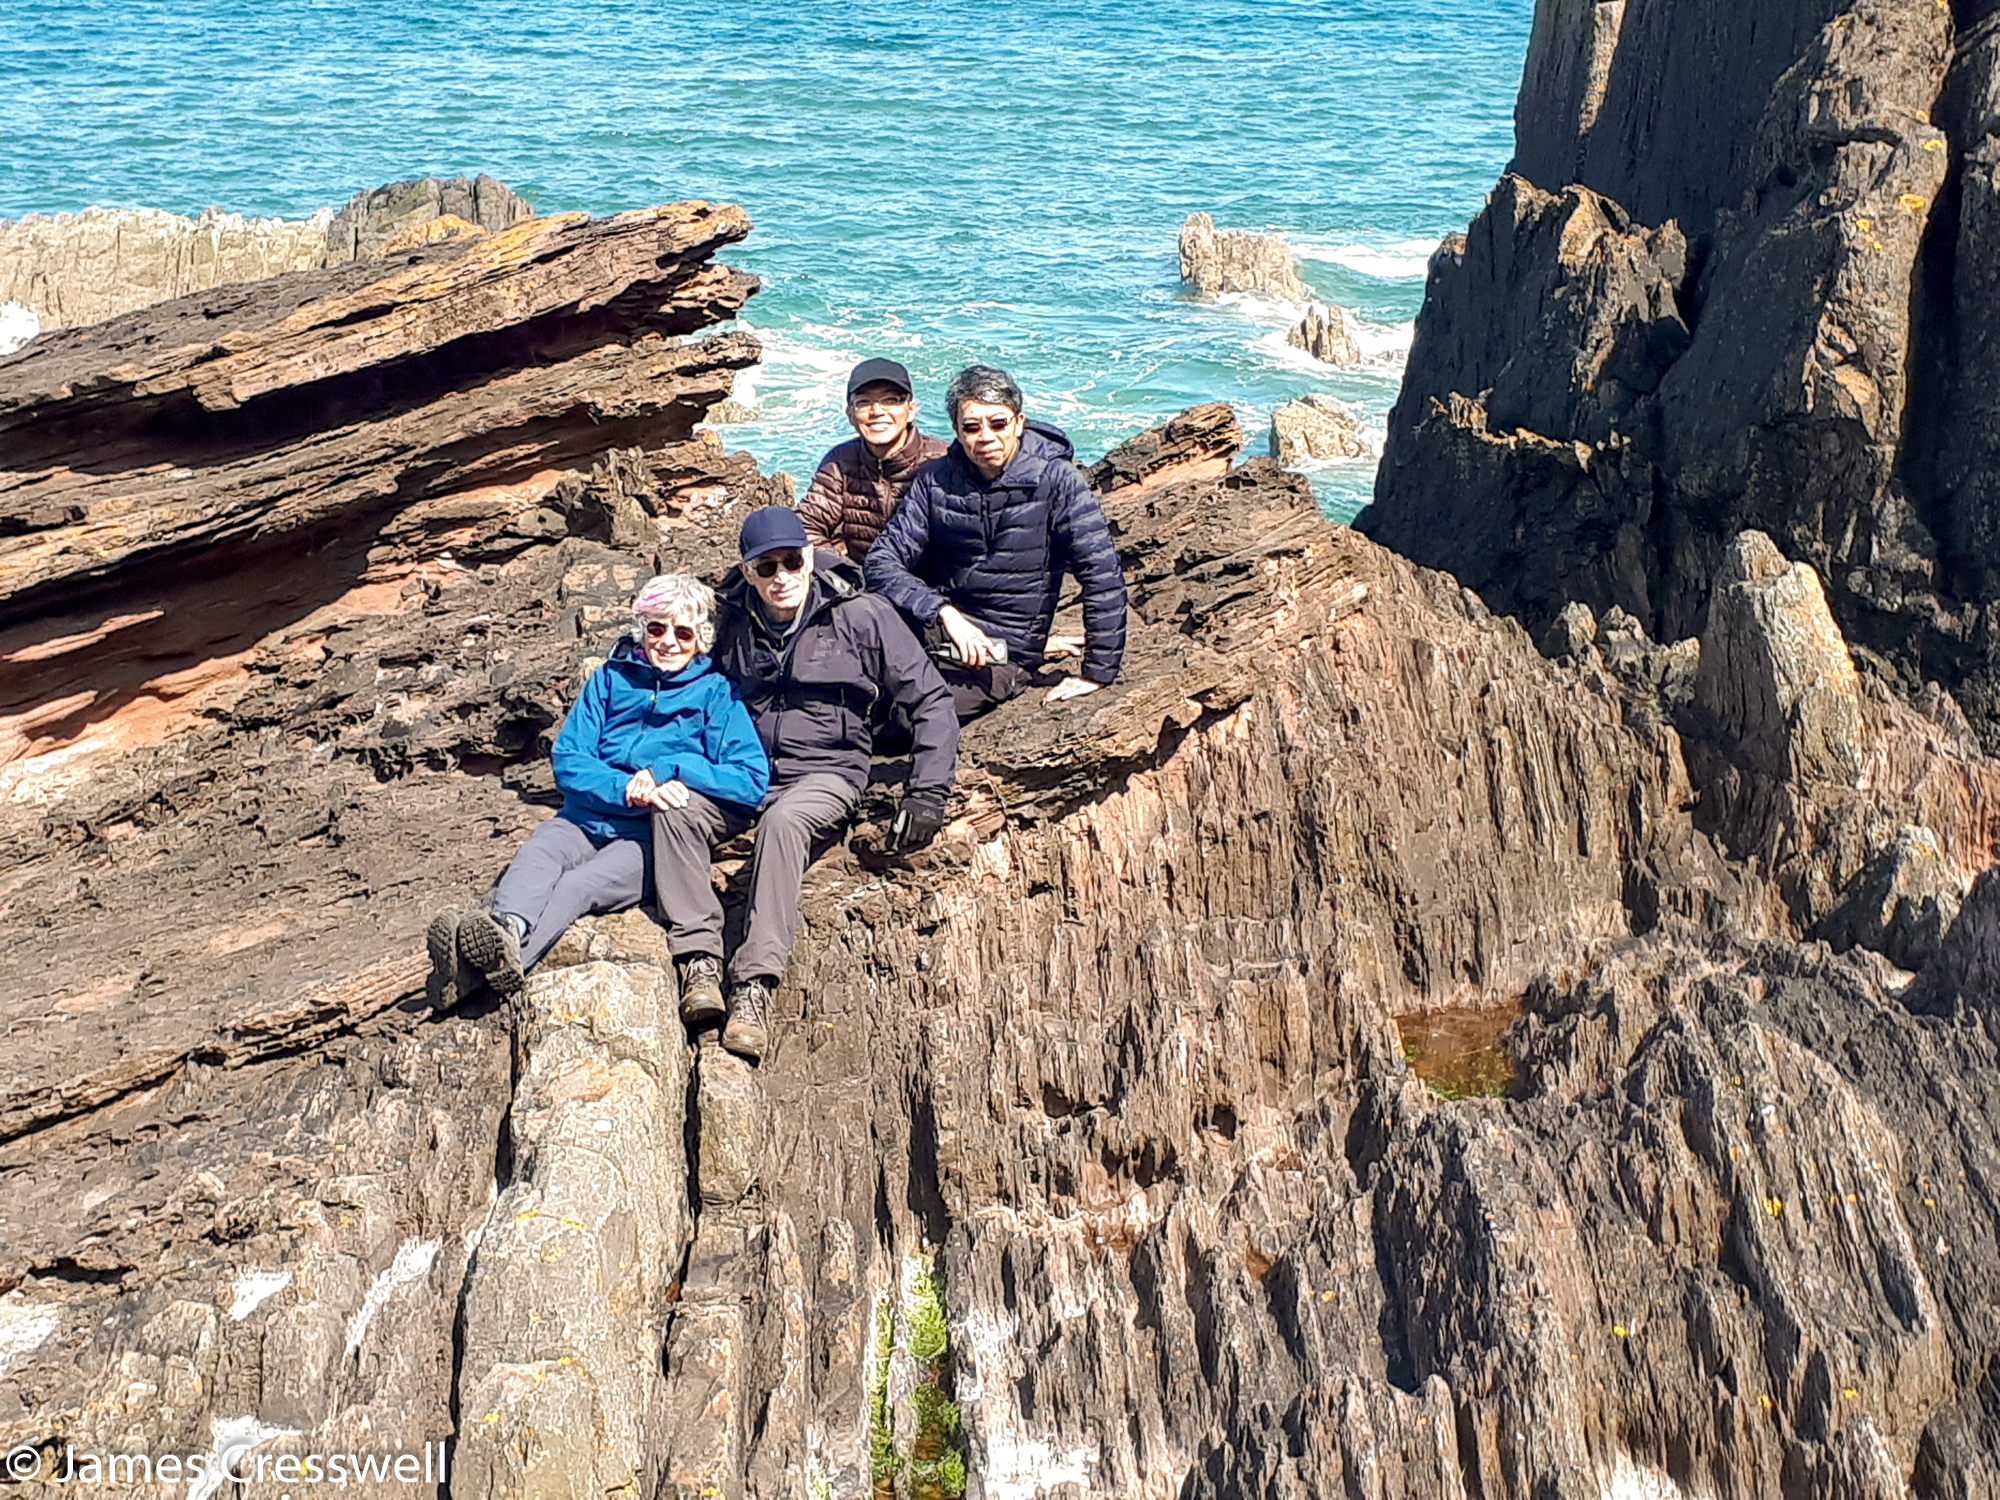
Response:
column 815, row 693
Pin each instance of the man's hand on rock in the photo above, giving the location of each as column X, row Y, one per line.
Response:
column 1064, row 645
column 1071, row 687
column 639, row 790
column 975, row 647
column 669, row 795
column 918, row 819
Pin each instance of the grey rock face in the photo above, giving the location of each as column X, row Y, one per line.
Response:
column 1776, row 682
column 569, row 1291
column 1812, row 364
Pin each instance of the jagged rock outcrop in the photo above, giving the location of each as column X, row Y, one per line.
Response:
column 1087, row 1159
column 1199, row 443
column 1736, row 279
column 1214, row 261
column 73, row 269
column 1315, row 427
column 1327, row 334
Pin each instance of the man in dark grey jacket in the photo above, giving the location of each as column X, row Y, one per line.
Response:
column 976, row 553
column 811, row 656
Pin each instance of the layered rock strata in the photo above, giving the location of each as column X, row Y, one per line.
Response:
column 73, row 269
column 1738, row 278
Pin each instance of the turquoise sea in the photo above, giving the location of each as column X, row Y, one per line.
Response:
column 940, row 183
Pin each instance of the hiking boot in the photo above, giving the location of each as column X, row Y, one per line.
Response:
column 492, row 945
column 701, row 989
column 452, row 978
column 749, row 1005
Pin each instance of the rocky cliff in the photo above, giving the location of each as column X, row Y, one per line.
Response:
column 1740, row 275
column 1089, row 1159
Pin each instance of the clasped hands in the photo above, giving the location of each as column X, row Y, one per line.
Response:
column 643, row 791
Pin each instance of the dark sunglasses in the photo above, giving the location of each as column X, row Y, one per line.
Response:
column 682, row 633
column 767, row 566
column 991, row 424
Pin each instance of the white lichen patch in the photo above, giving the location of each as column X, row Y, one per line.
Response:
column 1023, row 1469
column 230, row 1439
column 412, row 1263
column 24, row 1329
column 253, row 1289
column 1631, row 1480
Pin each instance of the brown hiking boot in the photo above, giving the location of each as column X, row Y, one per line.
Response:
column 701, row 989
column 749, row 1005
column 492, row 947
column 451, row 977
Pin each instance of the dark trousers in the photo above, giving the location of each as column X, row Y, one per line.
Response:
column 560, row 875
column 793, row 817
column 974, row 689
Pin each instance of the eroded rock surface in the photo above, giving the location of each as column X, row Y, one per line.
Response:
column 1738, row 278
column 1314, row 428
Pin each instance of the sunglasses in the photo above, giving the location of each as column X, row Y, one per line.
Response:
column 682, row 633
column 767, row 566
column 991, row 424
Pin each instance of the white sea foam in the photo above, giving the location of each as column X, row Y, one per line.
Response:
column 1384, row 343
column 17, row 325
column 1404, row 260
column 1261, row 307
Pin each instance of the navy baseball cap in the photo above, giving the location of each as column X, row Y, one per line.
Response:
column 871, row 370
column 769, row 529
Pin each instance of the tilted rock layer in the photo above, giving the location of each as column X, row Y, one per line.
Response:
column 1740, row 276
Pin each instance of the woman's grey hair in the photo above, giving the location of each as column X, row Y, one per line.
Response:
column 679, row 599
column 985, row 384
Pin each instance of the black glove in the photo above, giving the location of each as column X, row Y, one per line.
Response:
column 918, row 819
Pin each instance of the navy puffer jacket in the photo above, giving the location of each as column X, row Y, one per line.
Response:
column 998, row 551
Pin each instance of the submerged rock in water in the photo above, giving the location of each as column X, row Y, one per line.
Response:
column 1214, row 261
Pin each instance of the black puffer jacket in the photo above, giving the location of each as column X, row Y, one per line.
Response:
column 998, row 551
column 813, row 691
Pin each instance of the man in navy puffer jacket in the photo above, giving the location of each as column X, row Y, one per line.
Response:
column 976, row 553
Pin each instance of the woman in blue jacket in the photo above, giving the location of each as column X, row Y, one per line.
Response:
column 652, row 724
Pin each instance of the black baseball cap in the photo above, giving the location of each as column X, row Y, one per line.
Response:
column 769, row 530
column 871, row 370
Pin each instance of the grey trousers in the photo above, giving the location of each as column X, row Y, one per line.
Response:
column 792, row 817
column 559, row 875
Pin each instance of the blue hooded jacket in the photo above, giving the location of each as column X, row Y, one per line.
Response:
column 998, row 549
column 688, row 724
